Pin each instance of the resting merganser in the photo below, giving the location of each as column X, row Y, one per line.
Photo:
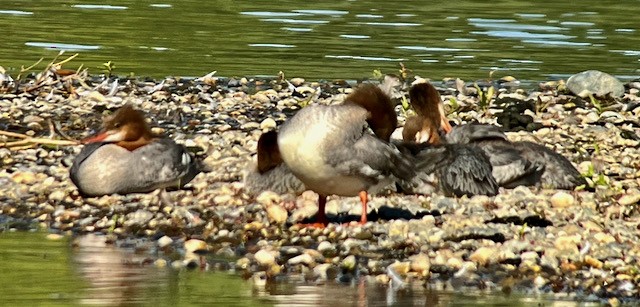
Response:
column 549, row 168
column 126, row 157
column 330, row 149
column 514, row 163
column 269, row 173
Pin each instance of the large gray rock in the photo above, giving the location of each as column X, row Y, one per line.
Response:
column 595, row 82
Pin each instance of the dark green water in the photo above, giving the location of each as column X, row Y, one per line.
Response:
column 329, row 39
column 36, row 271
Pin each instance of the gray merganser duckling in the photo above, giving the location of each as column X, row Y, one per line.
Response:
column 330, row 149
column 127, row 158
column 514, row 163
column 269, row 173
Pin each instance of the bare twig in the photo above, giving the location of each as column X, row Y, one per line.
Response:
column 23, row 70
column 26, row 140
column 17, row 148
column 56, row 127
column 14, row 134
column 65, row 60
column 39, row 141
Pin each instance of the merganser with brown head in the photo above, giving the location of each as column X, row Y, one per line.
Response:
column 126, row 157
column 514, row 163
column 329, row 148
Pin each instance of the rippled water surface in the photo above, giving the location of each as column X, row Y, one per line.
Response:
column 35, row 271
column 329, row 39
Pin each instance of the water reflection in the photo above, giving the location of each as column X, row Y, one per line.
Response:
column 365, row 58
column 99, row 7
column 332, row 39
column 161, row 5
column 296, row 21
column 61, row 46
column 389, row 24
column 322, row 12
column 14, row 12
column 113, row 276
column 88, row 271
column 297, row 29
column 272, row 45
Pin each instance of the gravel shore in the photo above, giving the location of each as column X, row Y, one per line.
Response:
column 583, row 244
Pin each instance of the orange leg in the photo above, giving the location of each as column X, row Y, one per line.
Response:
column 363, row 199
column 321, row 217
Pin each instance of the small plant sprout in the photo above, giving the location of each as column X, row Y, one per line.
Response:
column 484, row 98
column 281, row 77
column 455, row 106
column 108, row 68
column 377, row 74
column 522, row 231
column 404, row 72
column 596, row 104
column 541, row 106
column 405, row 104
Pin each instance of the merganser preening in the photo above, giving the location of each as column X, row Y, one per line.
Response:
column 269, row 173
column 514, row 163
column 127, row 158
column 508, row 167
column 468, row 171
column 331, row 151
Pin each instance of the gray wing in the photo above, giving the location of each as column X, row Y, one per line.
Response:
column 465, row 134
column 86, row 151
column 163, row 164
column 460, row 170
column 429, row 159
column 469, row 173
column 559, row 173
column 510, row 168
column 372, row 159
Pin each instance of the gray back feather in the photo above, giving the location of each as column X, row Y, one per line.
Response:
column 465, row 134
column 279, row 180
column 459, row 169
column 559, row 172
column 104, row 168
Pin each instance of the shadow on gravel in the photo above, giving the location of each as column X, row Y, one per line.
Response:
column 383, row 213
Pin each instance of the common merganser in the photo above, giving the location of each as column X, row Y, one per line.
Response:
column 330, row 149
column 549, row 168
column 454, row 169
column 126, row 157
column 269, row 172
column 514, row 163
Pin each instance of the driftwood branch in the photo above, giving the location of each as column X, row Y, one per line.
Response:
column 25, row 141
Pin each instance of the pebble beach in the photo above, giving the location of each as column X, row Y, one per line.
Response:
column 582, row 244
